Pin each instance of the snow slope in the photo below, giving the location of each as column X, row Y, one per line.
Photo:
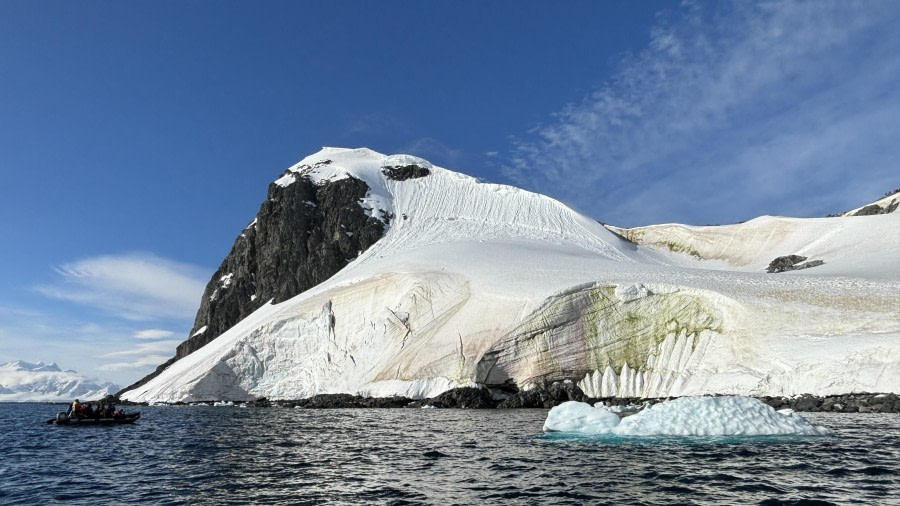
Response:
column 860, row 245
column 485, row 283
column 22, row 381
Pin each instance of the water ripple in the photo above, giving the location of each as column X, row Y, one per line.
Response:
column 215, row 455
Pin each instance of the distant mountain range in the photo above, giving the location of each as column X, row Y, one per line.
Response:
column 22, row 381
column 382, row 275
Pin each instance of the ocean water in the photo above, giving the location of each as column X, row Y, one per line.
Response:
column 229, row 455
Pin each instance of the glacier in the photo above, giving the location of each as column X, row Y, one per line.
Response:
column 485, row 284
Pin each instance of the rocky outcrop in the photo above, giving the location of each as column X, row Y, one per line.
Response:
column 792, row 263
column 303, row 234
column 404, row 172
column 545, row 396
column 465, row 398
column 874, row 209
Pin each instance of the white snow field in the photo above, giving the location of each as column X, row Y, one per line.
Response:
column 484, row 283
column 22, row 381
column 686, row 416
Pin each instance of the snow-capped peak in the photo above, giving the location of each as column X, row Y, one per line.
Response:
column 334, row 164
column 40, row 381
column 448, row 206
column 21, row 365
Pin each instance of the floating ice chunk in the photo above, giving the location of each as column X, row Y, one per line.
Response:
column 687, row 416
column 574, row 416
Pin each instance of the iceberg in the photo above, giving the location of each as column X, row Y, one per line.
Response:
column 686, row 416
column 581, row 417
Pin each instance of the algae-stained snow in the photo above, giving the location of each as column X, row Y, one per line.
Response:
column 490, row 284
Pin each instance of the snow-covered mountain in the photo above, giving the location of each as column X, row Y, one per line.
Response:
column 45, row 382
column 460, row 282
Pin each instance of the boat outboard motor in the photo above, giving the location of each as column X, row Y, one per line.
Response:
column 62, row 417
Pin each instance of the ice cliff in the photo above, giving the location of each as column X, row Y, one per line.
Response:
column 381, row 275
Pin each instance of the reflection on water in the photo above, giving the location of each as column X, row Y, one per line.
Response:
column 218, row 455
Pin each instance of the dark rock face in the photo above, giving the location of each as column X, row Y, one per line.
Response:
column 404, row 172
column 546, row 397
column 791, row 263
column 303, row 234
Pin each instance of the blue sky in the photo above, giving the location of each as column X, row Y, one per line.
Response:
column 138, row 138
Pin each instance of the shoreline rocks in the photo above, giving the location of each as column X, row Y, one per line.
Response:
column 846, row 403
column 545, row 397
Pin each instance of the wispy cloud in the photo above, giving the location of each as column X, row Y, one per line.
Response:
column 151, row 348
column 733, row 110
column 69, row 341
column 142, row 354
column 109, row 348
column 138, row 364
column 153, row 334
column 134, row 286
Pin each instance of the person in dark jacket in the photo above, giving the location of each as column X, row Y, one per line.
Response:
column 74, row 409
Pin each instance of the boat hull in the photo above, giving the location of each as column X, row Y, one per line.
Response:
column 127, row 418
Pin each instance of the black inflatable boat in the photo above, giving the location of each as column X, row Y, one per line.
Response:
column 62, row 419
